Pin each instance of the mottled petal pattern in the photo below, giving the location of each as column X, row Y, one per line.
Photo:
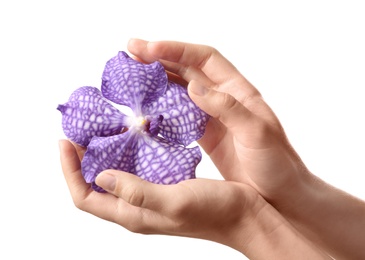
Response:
column 128, row 82
column 151, row 158
column 88, row 114
column 150, row 142
column 154, row 124
column 183, row 121
column 113, row 152
column 163, row 162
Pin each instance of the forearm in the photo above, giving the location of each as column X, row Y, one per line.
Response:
column 270, row 236
column 327, row 216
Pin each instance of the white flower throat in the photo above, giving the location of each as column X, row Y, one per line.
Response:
column 137, row 123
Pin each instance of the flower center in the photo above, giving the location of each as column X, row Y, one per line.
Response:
column 147, row 124
column 137, row 123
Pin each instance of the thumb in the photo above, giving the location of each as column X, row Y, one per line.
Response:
column 132, row 189
column 219, row 105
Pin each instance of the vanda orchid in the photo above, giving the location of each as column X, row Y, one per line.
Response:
column 151, row 142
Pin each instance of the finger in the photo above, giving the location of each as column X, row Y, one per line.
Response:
column 177, row 79
column 138, row 48
column 134, row 190
column 71, row 168
column 153, row 208
column 102, row 205
column 196, row 62
column 219, row 105
column 81, row 192
column 173, row 76
column 203, row 57
column 186, row 72
column 80, row 150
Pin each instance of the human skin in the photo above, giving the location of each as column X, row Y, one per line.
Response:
column 230, row 213
column 248, row 144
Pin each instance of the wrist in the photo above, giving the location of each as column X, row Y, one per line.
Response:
column 323, row 214
column 273, row 237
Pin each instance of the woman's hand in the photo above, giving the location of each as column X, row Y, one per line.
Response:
column 244, row 139
column 226, row 212
column 201, row 208
column 247, row 143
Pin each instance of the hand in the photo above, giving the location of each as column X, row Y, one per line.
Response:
column 196, row 208
column 247, row 143
column 244, row 139
column 226, row 212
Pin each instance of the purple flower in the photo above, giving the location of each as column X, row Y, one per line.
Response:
column 151, row 142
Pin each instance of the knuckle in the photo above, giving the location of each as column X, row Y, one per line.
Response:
column 136, row 227
column 182, row 214
column 229, row 105
column 228, row 102
column 80, row 199
column 181, row 209
column 140, row 225
column 133, row 195
column 80, row 204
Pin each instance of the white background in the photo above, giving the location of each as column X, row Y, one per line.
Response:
column 306, row 57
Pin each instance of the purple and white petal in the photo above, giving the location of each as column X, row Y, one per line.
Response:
column 154, row 124
column 133, row 143
column 128, row 82
column 163, row 162
column 183, row 121
column 88, row 114
column 97, row 188
column 114, row 152
column 151, row 158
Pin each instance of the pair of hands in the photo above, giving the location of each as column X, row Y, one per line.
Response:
column 245, row 141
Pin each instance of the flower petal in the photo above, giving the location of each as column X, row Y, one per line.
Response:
column 183, row 121
column 151, row 158
column 164, row 162
column 113, row 152
column 128, row 82
column 88, row 114
column 154, row 125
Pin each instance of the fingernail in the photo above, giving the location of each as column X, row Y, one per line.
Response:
column 199, row 90
column 106, row 180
